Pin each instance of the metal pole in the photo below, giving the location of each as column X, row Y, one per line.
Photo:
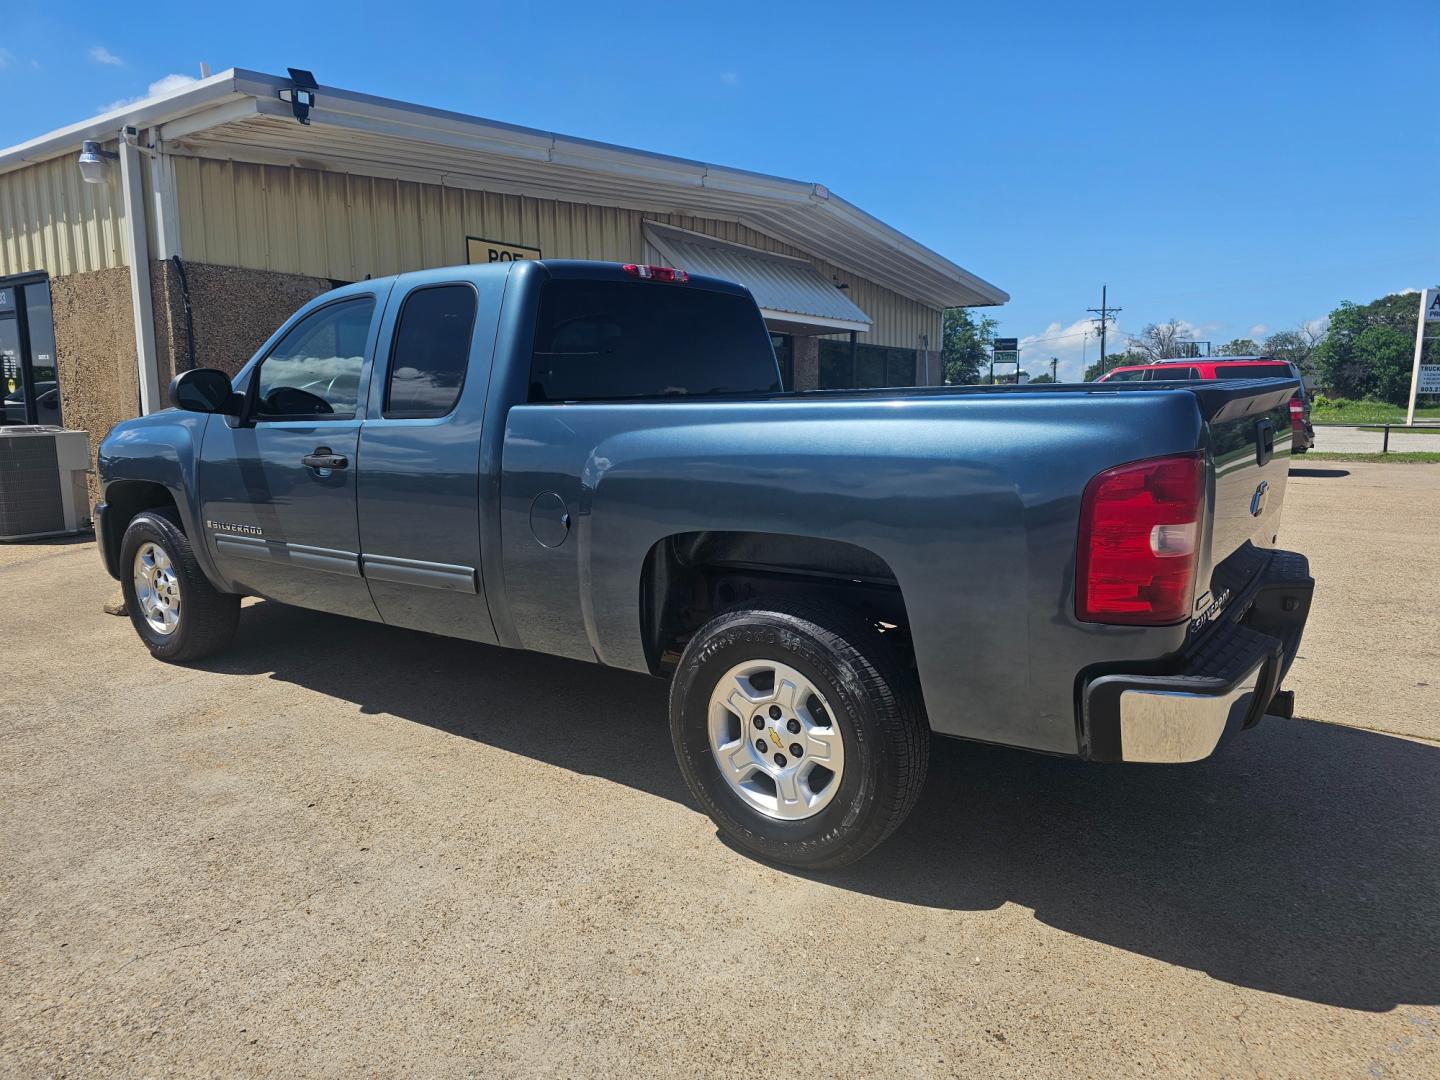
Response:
column 1426, row 296
column 854, row 374
column 137, row 251
column 1385, row 447
column 1103, row 306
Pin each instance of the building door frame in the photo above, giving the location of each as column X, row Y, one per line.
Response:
column 19, row 313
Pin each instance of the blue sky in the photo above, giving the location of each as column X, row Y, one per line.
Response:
column 1241, row 167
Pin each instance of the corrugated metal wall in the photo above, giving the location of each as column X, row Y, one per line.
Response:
column 338, row 225
column 52, row 220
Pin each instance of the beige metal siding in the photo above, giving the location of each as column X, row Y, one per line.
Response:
column 52, row 220
column 344, row 226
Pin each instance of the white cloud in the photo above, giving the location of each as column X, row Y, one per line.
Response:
column 1074, row 345
column 6, row 58
column 163, row 85
column 730, row 78
column 102, row 55
column 1258, row 331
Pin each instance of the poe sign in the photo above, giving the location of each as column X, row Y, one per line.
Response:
column 489, row 251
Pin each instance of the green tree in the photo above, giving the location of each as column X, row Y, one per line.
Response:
column 1042, row 378
column 1242, row 346
column 1159, row 341
column 1296, row 346
column 965, row 345
column 1128, row 358
column 1369, row 348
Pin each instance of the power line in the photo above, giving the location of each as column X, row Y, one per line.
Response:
column 1106, row 315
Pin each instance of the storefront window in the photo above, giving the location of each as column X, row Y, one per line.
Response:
column 871, row 366
column 784, row 346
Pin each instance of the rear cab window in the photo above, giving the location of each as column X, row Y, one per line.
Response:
column 598, row 340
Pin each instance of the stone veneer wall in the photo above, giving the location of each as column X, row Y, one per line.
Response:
column 95, row 353
column 234, row 310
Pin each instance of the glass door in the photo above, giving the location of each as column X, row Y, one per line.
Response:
column 784, row 346
column 29, row 380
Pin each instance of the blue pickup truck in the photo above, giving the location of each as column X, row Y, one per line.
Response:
column 599, row 462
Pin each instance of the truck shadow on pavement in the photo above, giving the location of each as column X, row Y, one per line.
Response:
column 1303, row 859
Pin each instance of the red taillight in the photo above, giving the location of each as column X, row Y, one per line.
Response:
column 1139, row 528
column 1297, row 413
column 656, row 273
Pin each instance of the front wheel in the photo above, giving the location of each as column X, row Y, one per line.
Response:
column 176, row 611
column 800, row 732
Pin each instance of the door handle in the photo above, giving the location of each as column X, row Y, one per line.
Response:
column 322, row 458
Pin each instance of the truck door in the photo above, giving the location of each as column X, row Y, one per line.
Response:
column 277, row 495
column 420, row 451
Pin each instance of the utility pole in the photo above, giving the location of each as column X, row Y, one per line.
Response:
column 1107, row 316
column 1054, row 363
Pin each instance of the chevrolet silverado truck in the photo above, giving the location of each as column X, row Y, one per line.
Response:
column 599, row 462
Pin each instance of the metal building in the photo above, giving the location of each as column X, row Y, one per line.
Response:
column 239, row 212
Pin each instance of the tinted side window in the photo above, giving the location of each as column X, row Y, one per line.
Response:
column 315, row 369
column 431, row 351
column 1137, row 375
column 1252, row 371
column 609, row 339
column 1177, row 374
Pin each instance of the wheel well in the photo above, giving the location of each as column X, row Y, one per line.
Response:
column 690, row 577
column 126, row 498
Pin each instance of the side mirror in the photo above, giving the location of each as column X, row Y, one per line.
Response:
column 204, row 390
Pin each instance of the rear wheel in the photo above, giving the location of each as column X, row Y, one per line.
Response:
column 176, row 611
column 799, row 732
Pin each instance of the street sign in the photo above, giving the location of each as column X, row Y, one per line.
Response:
column 1007, row 356
column 1006, row 344
column 1424, row 378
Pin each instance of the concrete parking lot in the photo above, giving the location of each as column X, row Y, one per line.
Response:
column 1333, row 439
column 344, row 849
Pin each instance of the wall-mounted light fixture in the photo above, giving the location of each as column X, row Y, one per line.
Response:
column 300, row 94
column 95, row 162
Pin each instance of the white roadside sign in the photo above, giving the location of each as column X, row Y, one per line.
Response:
column 1424, row 378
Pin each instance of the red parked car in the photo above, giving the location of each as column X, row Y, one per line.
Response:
column 1228, row 367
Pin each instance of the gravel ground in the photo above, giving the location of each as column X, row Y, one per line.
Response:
column 343, row 849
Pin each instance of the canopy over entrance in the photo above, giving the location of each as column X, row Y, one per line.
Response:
column 793, row 296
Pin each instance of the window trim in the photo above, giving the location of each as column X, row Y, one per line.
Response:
column 252, row 391
column 385, row 413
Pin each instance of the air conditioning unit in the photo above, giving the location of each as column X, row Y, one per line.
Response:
column 42, row 482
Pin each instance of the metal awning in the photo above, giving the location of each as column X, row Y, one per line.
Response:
column 788, row 290
column 238, row 115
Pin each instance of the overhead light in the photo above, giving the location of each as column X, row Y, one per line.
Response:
column 95, row 162
column 300, row 94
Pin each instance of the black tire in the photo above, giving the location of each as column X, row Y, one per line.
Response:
column 207, row 616
column 875, row 702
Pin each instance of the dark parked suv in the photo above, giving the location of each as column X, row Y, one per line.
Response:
column 1229, row 367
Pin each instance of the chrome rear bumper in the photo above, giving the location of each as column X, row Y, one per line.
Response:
column 1221, row 684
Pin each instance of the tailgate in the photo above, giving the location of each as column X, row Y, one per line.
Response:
column 1250, row 441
